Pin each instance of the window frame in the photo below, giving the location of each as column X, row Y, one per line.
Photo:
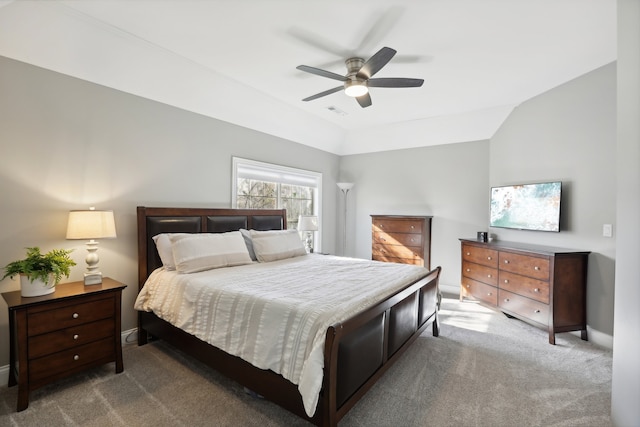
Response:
column 284, row 172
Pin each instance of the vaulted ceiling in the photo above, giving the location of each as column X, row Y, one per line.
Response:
column 235, row 60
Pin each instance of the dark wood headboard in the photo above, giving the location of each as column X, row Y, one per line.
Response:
column 152, row 221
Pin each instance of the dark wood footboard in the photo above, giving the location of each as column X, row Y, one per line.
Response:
column 357, row 352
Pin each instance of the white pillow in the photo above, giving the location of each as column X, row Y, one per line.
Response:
column 163, row 245
column 276, row 244
column 205, row 251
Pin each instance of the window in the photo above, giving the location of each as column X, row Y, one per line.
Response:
column 258, row 185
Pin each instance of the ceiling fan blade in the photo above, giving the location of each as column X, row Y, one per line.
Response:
column 395, row 82
column 364, row 100
column 325, row 93
column 376, row 62
column 322, row 73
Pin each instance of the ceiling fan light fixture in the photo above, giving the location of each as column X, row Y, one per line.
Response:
column 355, row 88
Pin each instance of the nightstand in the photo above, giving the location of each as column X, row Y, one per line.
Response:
column 53, row 336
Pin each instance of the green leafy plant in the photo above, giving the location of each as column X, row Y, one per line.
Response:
column 39, row 266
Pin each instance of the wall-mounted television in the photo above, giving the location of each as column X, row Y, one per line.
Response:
column 527, row 206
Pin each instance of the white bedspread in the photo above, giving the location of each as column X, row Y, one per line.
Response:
column 274, row 315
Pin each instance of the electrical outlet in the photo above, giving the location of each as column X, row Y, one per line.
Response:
column 607, row 230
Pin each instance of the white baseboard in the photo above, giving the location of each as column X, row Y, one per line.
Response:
column 128, row 337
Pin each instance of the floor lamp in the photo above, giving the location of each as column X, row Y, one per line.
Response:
column 345, row 187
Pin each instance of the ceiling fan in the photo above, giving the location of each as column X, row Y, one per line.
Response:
column 359, row 77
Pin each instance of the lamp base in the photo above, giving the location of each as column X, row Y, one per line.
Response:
column 92, row 279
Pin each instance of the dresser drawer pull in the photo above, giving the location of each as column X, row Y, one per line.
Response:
column 412, row 227
column 76, row 336
column 489, row 258
column 506, row 280
column 506, row 261
column 489, row 276
column 536, row 290
column 489, row 294
column 413, row 240
column 76, row 357
column 468, row 286
column 536, row 311
column 468, row 270
column 506, row 300
column 536, row 268
column 468, row 253
column 75, row 315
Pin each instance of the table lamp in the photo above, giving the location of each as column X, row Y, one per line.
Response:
column 91, row 224
column 308, row 224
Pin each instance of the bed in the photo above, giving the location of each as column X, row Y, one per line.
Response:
column 355, row 351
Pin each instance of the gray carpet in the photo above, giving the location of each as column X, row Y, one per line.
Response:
column 483, row 370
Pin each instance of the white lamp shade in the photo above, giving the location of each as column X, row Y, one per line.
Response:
column 308, row 223
column 345, row 186
column 91, row 224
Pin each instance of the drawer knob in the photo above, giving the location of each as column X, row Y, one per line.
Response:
column 536, row 311
column 412, row 227
column 489, row 258
column 536, row 290
column 468, row 270
column 468, row 253
column 75, row 315
column 76, row 357
column 488, row 275
column 506, row 261
column 488, row 293
column 506, row 281
column 468, row 286
column 76, row 336
column 412, row 240
column 536, row 268
column 506, row 300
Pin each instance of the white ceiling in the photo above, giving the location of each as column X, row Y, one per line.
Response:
column 236, row 60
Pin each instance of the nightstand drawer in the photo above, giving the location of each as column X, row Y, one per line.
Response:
column 71, row 359
column 68, row 315
column 75, row 336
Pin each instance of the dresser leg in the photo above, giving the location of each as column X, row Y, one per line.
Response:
column 552, row 338
column 23, row 398
column 583, row 335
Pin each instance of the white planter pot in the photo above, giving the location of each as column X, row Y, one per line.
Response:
column 37, row 287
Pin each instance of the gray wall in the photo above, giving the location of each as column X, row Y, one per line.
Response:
column 448, row 182
column 567, row 133
column 68, row 144
column 625, row 394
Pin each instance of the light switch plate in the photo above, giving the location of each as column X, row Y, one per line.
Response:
column 607, row 230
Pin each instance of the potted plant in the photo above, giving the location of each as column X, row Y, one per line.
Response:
column 40, row 273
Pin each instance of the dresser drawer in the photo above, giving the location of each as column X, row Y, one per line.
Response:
column 523, row 306
column 481, row 273
column 404, row 239
column 525, row 265
column 488, row 257
column 398, row 225
column 396, row 251
column 480, row 291
column 71, row 359
column 525, row 286
column 43, row 344
column 412, row 261
column 60, row 316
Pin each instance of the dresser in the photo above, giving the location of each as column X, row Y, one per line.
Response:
column 544, row 286
column 56, row 335
column 400, row 238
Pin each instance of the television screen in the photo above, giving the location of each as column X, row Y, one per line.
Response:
column 527, row 206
